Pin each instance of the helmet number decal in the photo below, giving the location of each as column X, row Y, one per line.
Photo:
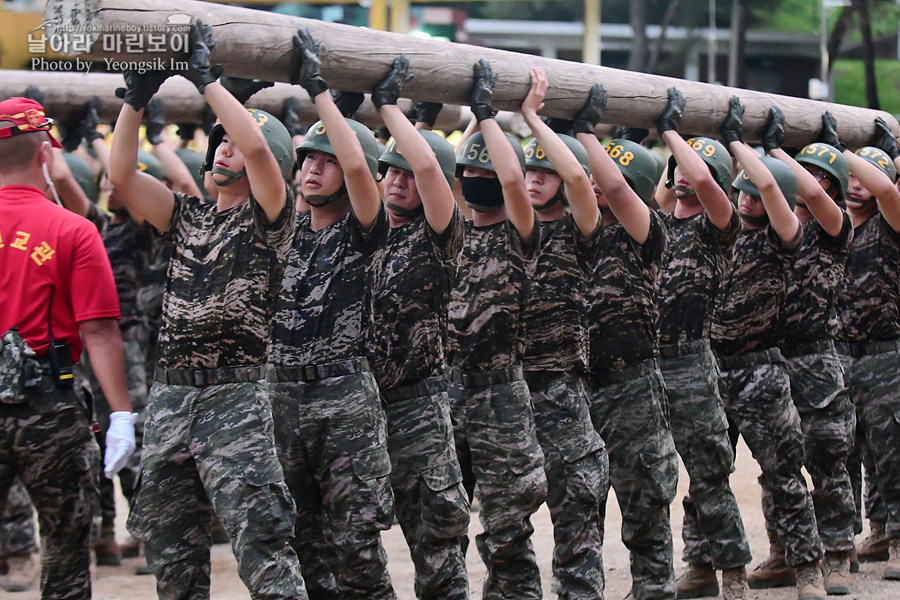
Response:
column 707, row 150
column 320, row 130
column 535, row 151
column 875, row 154
column 479, row 153
column 819, row 150
column 392, row 147
column 618, row 153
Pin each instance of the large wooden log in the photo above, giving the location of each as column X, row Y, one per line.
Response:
column 253, row 43
column 65, row 93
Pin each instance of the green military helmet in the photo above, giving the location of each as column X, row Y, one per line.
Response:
column 829, row 159
column 317, row 139
column 149, row 164
column 535, row 156
column 714, row 155
column 784, row 177
column 277, row 137
column 880, row 159
column 442, row 149
column 193, row 160
column 83, row 174
column 637, row 165
column 474, row 153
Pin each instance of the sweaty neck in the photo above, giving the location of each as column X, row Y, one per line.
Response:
column 687, row 206
column 325, row 216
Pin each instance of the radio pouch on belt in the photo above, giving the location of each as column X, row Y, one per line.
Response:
column 60, row 356
column 19, row 368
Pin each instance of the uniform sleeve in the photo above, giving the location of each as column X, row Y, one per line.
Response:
column 587, row 249
column 525, row 248
column 652, row 249
column 788, row 249
column 841, row 242
column 91, row 279
column 180, row 217
column 448, row 245
column 279, row 233
column 370, row 241
column 724, row 238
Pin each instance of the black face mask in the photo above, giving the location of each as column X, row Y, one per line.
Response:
column 482, row 194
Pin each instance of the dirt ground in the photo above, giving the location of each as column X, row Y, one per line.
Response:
column 119, row 583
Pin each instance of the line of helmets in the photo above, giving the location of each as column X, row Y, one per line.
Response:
column 642, row 169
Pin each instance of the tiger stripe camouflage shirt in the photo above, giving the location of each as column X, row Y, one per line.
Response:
column 869, row 303
column 749, row 313
column 412, row 294
column 324, row 310
column 486, row 325
column 556, row 310
column 223, row 280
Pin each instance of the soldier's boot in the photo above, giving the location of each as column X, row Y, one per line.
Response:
column 836, row 569
column 734, row 584
column 892, row 570
column 131, row 548
column 810, row 585
column 875, row 547
column 106, row 550
column 854, row 561
column 22, row 574
column 772, row 572
column 697, row 581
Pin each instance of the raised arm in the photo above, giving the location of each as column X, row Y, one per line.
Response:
column 781, row 217
column 176, row 171
column 578, row 189
column 887, row 200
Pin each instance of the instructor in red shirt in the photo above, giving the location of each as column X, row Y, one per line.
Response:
column 56, row 289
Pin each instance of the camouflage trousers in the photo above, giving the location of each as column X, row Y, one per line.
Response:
column 861, row 468
column 577, row 469
column 503, row 465
column 628, row 410
column 828, row 422
column 48, row 444
column 873, row 380
column 757, row 393
column 429, row 499
column 332, row 444
column 17, row 533
column 213, row 445
column 700, row 431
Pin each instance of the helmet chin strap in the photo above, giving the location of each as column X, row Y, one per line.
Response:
column 864, row 203
column 405, row 213
column 230, row 176
column 755, row 221
column 686, row 192
column 320, row 200
column 557, row 197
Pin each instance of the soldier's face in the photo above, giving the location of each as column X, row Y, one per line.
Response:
column 227, row 157
column 400, row 188
column 857, row 193
column 602, row 202
column 542, row 185
column 750, row 205
column 320, row 174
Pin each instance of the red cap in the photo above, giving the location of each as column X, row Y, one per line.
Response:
column 26, row 116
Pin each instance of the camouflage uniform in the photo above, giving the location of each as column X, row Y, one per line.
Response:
column 628, row 402
column 692, row 267
column 817, row 382
column 330, row 426
column 575, row 459
column 209, row 430
column 17, row 534
column 493, row 419
column 747, row 327
column 411, row 297
column 869, row 313
column 150, row 297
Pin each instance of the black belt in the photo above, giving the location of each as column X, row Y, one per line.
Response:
column 482, row 378
column 628, row 373
column 858, row 349
column 205, row 377
column 818, row 347
column 751, row 359
column 426, row 387
column 684, row 348
column 314, row 372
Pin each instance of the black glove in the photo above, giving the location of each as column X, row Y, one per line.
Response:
column 733, row 126
column 427, row 112
column 347, row 102
column 388, row 89
column 70, row 135
column 590, row 114
column 558, row 124
column 33, row 92
column 140, row 88
column 154, row 120
column 290, row 116
column 483, row 91
column 670, row 120
column 242, row 88
column 91, row 119
column 632, row 134
column 199, row 71
column 886, row 139
column 829, row 133
column 209, row 119
column 773, row 134
column 307, row 65
column 186, row 131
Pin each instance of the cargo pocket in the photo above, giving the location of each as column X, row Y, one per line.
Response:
column 658, row 458
column 712, row 458
column 267, row 504
column 445, row 505
column 371, row 490
column 136, row 524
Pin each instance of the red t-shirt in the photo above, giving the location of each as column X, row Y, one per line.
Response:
column 45, row 247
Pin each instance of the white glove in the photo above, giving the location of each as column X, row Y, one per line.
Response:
column 119, row 442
